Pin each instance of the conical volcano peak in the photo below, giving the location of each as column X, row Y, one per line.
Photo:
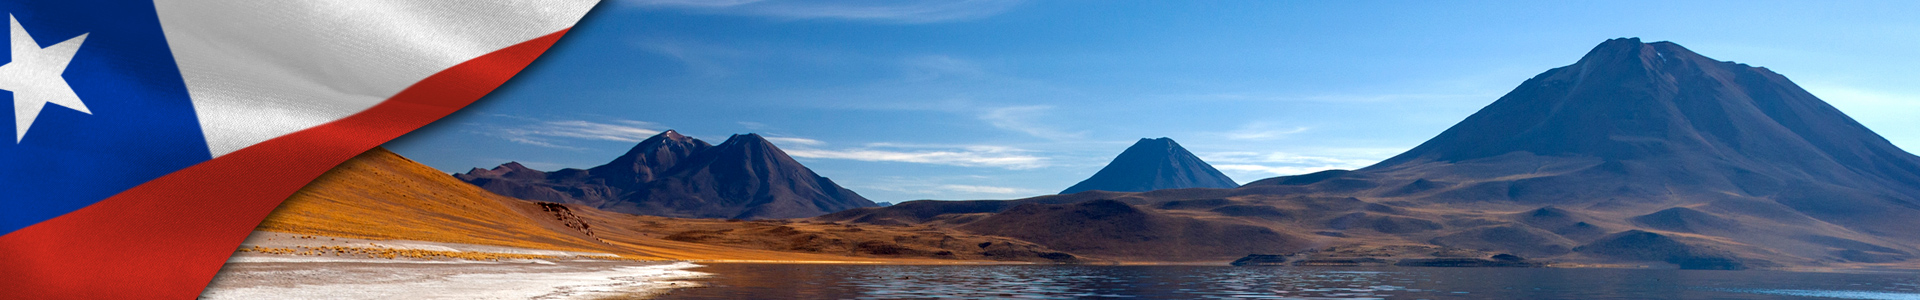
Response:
column 672, row 135
column 1641, row 120
column 1633, row 48
column 1156, row 146
column 1661, row 62
column 665, row 139
column 1152, row 164
column 748, row 138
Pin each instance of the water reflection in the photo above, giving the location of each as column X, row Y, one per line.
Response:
column 761, row 281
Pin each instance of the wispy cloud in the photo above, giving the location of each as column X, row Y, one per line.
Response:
column 619, row 130
column 1343, row 98
column 550, row 133
column 1022, row 119
column 964, row 156
column 1282, row 158
column 953, row 191
column 1261, row 131
column 934, row 67
column 981, row 189
column 703, row 60
column 899, row 11
column 794, row 141
column 1273, row 170
column 1278, row 163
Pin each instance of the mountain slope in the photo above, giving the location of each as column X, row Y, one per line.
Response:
column 599, row 186
column 673, row 175
column 1644, row 153
column 382, row 196
column 1664, row 114
column 1153, row 164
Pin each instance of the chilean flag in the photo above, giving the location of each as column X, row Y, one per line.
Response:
column 151, row 137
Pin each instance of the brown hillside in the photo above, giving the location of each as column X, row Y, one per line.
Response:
column 381, row 195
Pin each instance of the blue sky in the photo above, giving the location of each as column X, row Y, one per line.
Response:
column 904, row 100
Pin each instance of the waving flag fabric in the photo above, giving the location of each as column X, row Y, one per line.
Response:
column 151, row 137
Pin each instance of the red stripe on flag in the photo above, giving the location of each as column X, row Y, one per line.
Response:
column 166, row 239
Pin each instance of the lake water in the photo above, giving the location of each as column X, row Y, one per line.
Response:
column 780, row 281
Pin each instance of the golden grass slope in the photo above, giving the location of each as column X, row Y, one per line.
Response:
column 381, row 195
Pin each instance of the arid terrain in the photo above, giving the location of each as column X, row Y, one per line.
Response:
column 1639, row 154
column 382, row 196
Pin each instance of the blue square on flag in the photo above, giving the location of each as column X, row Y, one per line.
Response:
column 98, row 106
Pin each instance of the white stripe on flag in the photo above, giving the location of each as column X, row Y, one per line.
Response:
column 261, row 69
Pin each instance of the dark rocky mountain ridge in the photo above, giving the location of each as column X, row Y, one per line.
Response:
column 1153, row 164
column 1638, row 153
column 673, row 175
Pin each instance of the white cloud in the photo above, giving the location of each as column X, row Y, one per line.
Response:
column 981, row 189
column 951, row 191
column 548, row 133
column 1249, row 166
column 900, row 11
column 542, row 143
column 1021, row 119
column 619, row 131
column 1261, row 131
column 1273, row 170
column 964, row 156
column 931, row 67
column 1282, row 158
column 968, row 156
column 794, row 141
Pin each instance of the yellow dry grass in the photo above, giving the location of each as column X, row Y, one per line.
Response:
column 382, row 196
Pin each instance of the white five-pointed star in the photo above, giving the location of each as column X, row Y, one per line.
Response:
column 34, row 77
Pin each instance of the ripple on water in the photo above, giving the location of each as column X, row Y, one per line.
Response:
column 1202, row 282
column 1834, row 294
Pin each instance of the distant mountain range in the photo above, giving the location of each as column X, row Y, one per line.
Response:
column 674, row 175
column 1153, row 164
column 1644, row 153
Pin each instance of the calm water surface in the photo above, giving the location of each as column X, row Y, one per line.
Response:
column 776, row 281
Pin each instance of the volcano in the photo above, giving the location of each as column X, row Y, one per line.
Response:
column 1654, row 126
column 1153, row 164
column 673, row 175
column 1644, row 153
